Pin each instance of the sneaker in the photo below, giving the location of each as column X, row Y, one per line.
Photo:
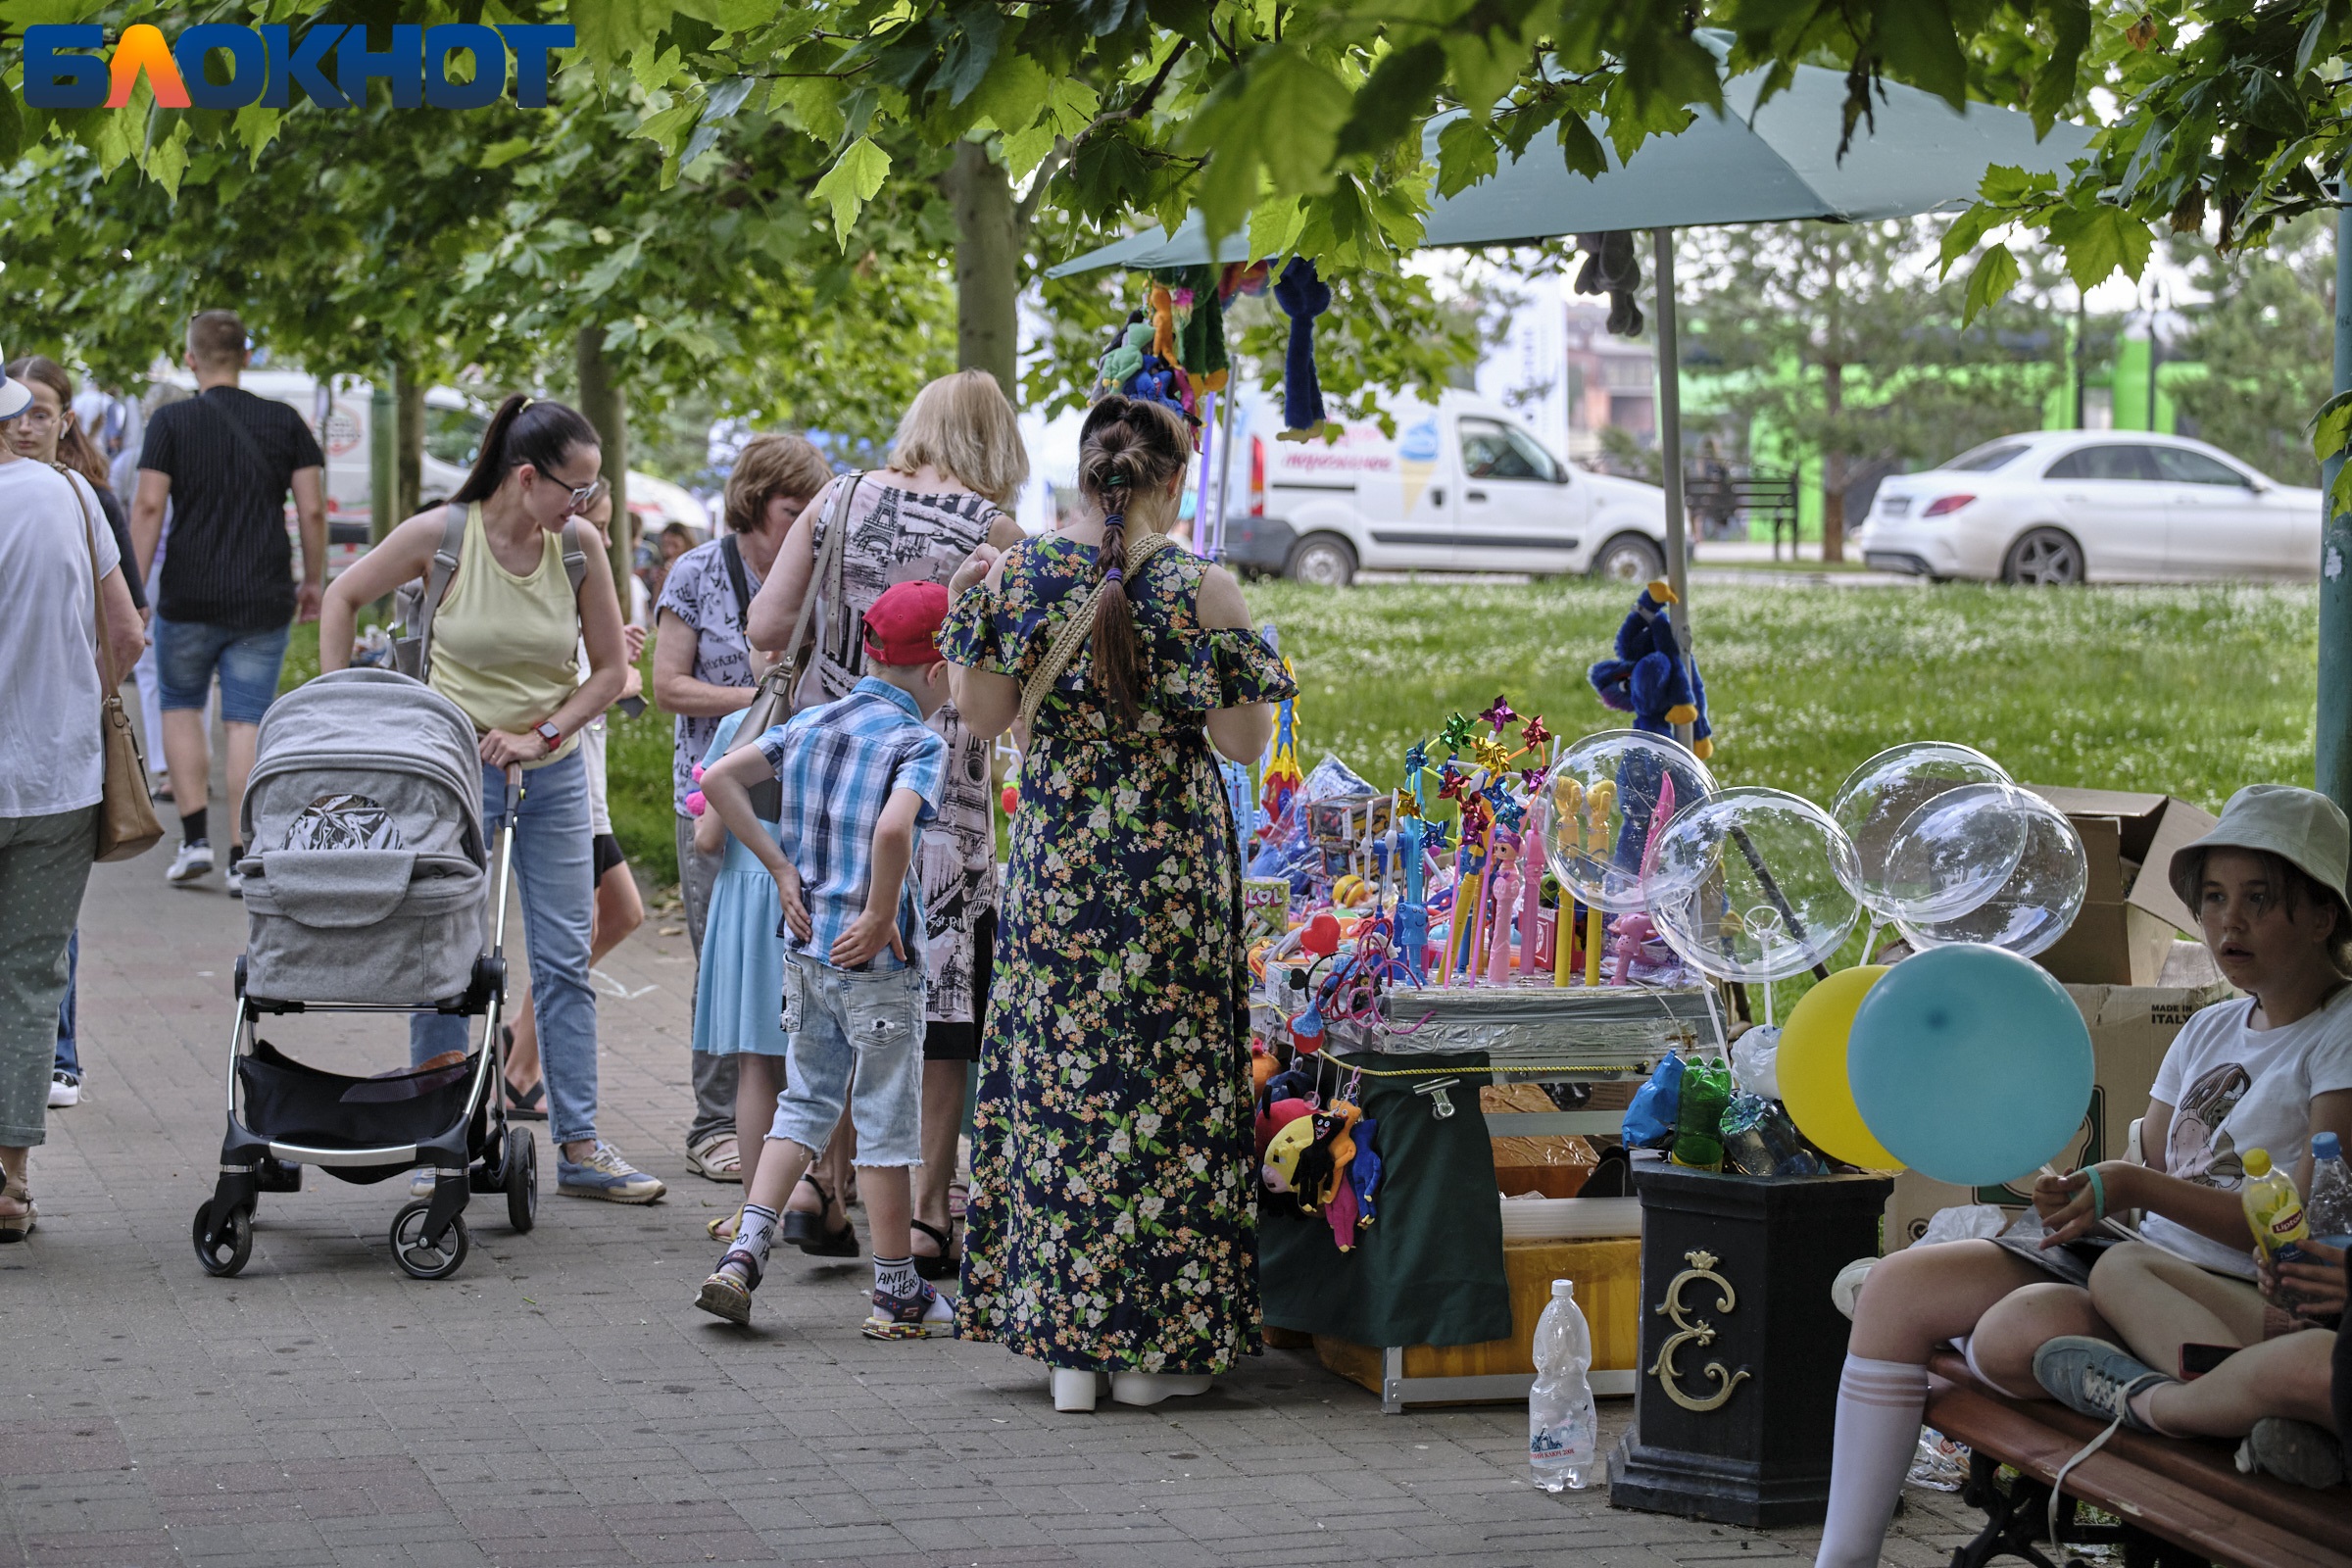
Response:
column 728, row 1293
column 235, row 880
column 924, row 1315
column 193, row 862
column 2094, row 1378
column 605, row 1174
column 421, row 1181
column 65, row 1089
column 2292, row 1450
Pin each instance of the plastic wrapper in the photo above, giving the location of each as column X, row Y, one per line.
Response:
column 1756, row 1057
column 1939, row 1464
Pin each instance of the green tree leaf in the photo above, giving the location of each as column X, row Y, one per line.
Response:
column 853, row 180
column 1988, row 282
column 2100, row 241
column 1465, row 156
column 610, row 31
column 1279, row 119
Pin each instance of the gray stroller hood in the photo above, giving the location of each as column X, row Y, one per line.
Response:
column 366, row 876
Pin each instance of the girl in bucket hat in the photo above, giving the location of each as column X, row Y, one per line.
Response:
column 2270, row 1070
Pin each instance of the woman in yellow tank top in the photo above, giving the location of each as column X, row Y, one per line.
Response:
column 505, row 649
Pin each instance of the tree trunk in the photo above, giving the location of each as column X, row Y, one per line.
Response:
column 988, row 267
column 1835, row 466
column 408, row 435
column 606, row 404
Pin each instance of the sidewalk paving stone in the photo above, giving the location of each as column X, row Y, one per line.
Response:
column 561, row 1402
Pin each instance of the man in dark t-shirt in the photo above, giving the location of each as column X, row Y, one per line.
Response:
column 223, row 460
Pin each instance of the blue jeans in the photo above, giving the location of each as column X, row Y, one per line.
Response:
column 188, row 652
column 69, row 1059
column 861, row 1027
column 552, row 848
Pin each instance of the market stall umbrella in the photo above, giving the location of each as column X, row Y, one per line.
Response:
column 1771, row 164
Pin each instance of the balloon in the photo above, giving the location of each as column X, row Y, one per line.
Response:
column 1966, row 834
column 1752, row 884
column 1970, row 1064
column 1604, row 792
column 1811, row 1068
column 1881, row 795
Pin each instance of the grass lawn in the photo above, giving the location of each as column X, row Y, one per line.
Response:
column 2191, row 691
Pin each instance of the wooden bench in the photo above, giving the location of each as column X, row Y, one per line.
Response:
column 2178, row 1502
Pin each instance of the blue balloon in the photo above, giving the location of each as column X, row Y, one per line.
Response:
column 1971, row 1064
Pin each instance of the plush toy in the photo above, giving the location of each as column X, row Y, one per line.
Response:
column 1279, row 1170
column 1303, row 297
column 1121, row 362
column 1164, row 322
column 1647, row 679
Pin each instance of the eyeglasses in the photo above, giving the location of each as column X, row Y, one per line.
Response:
column 39, row 417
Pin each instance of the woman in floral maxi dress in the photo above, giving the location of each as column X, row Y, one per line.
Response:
column 1112, row 1218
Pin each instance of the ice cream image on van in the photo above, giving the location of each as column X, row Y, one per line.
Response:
column 1417, row 458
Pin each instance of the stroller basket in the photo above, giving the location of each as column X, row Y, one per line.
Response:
column 289, row 1101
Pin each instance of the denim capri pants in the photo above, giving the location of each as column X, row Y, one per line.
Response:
column 861, row 1027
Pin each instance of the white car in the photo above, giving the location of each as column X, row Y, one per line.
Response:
column 1460, row 487
column 2094, row 506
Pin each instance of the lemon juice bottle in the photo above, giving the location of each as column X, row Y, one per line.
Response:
column 2273, row 1208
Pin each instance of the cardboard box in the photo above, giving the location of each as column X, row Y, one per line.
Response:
column 2130, row 912
column 2131, row 1029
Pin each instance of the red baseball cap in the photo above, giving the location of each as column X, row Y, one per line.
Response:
column 902, row 628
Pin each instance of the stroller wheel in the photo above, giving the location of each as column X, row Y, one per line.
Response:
column 419, row 1261
column 239, row 1242
column 522, row 1179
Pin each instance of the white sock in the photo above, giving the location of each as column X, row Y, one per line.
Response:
column 755, row 1233
column 1878, row 1409
column 895, row 1276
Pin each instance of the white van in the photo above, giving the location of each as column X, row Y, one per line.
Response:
column 1461, row 487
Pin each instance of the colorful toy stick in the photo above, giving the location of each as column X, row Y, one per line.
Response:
column 1531, row 887
column 1600, row 801
column 1568, row 801
column 1506, row 897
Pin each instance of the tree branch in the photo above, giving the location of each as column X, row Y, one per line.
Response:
column 1066, row 147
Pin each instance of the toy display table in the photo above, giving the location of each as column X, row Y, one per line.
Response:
column 1424, row 1301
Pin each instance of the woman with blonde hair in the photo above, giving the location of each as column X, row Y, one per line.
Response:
column 955, row 465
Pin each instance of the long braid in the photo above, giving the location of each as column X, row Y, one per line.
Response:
column 1128, row 449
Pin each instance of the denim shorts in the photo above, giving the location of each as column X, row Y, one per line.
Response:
column 850, row 1027
column 188, row 652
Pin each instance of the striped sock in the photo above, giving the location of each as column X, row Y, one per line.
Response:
column 1879, row 1408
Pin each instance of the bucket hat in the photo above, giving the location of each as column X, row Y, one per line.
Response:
column 2302, row 828
column 15, row 396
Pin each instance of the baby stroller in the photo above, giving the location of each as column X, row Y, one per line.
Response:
column 367, row 889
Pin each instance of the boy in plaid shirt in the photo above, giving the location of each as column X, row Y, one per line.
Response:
column 860, row 777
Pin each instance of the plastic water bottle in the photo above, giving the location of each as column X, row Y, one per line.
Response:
column 2329, row 1210
column 1562, row 1427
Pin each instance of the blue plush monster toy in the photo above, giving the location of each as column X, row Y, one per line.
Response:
column 1647, row 678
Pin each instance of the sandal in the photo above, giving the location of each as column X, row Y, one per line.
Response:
column 16, row 1227
column 717, row 1158
column 716, row 1220
column 805, row 1231
column 942, row 1264
column 526, row 1105
column 959, row 1197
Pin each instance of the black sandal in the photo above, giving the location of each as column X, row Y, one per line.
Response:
column 805, row 1231
column 939, row 1265
column 523, row 1105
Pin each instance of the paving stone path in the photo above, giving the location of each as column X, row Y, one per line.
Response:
column 561, row 1402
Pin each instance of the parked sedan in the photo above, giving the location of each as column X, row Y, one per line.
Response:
column 2094, row 506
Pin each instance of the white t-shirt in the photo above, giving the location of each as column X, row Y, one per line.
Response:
column 51, row 756
column 2232, row 1089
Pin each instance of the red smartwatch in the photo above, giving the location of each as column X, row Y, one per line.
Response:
column 547, row 731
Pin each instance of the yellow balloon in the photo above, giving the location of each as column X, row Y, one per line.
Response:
column 1811, row 1068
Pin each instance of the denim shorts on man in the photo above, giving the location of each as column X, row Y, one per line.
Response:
column 188, row 652
column 865, row 1025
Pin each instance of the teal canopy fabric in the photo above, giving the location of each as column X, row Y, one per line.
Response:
column 1751, row 166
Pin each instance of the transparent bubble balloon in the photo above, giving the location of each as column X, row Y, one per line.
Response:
column 1955, row 851
column 1878, row 798
column 1759, row 885
column 1968, row 832
column 1607, row 792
